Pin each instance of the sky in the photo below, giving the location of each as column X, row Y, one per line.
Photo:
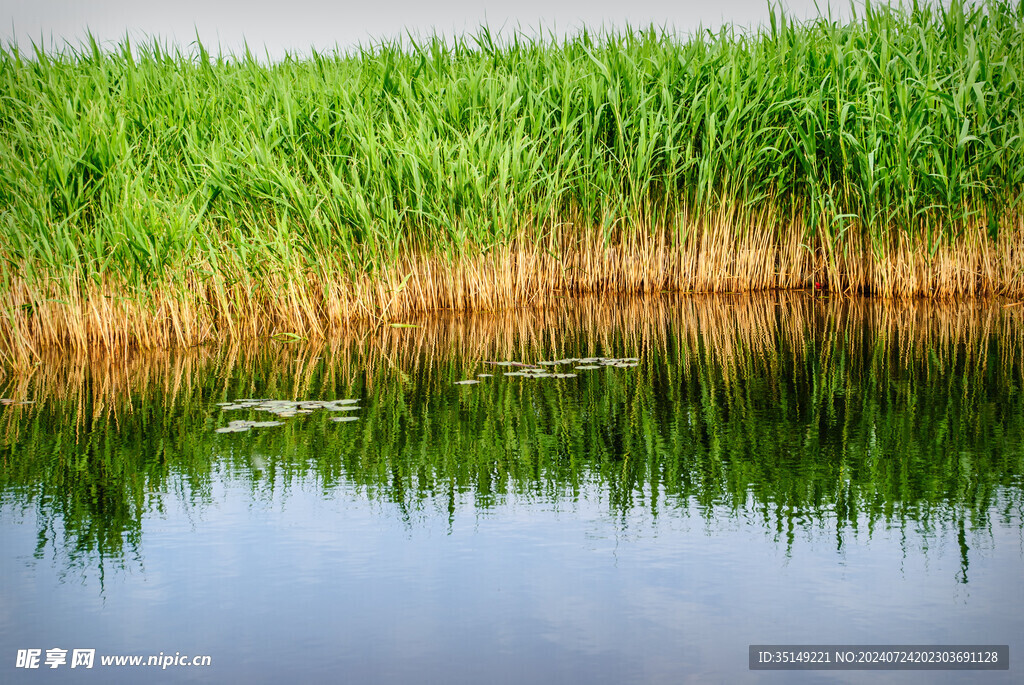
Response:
column 272, row 27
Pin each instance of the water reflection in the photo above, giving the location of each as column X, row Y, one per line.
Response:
column 787, row 412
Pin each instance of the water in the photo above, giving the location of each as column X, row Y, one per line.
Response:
column 777, row 469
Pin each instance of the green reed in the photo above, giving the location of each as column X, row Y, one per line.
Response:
column 153, row 164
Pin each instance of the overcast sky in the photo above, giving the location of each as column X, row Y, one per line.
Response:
column 296, row 25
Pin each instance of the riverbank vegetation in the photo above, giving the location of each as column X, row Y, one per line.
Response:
column 155, row 197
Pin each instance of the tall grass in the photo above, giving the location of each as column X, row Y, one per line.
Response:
column 151, row 196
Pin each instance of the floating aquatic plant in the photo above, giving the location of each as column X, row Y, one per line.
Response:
column 282, row 409
column 241, row 426
column 542, row 368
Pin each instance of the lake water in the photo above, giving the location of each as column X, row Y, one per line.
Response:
column 775, row 469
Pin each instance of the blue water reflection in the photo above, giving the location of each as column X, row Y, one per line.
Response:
column 540, row 557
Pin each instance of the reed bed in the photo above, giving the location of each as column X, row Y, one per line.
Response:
column 153, row 197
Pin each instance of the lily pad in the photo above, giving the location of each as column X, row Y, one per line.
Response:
column 283, row 409
column 587, row 367
column 342, row 419
column 469, row 382
column 239, row 426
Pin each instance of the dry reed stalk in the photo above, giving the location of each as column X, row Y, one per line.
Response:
column 721, row 252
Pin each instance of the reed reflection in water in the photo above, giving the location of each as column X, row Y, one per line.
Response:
column 891, row 433
column 790, row 412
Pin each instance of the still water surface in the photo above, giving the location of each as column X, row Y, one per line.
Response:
column 776, row 469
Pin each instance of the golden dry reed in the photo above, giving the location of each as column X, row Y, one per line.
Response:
column 320, row 305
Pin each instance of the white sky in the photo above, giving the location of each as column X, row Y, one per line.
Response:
column 275, row 26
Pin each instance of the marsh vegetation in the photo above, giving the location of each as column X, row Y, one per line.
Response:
column 153, row 197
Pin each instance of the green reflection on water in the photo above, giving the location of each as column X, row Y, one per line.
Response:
column 787, row 411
